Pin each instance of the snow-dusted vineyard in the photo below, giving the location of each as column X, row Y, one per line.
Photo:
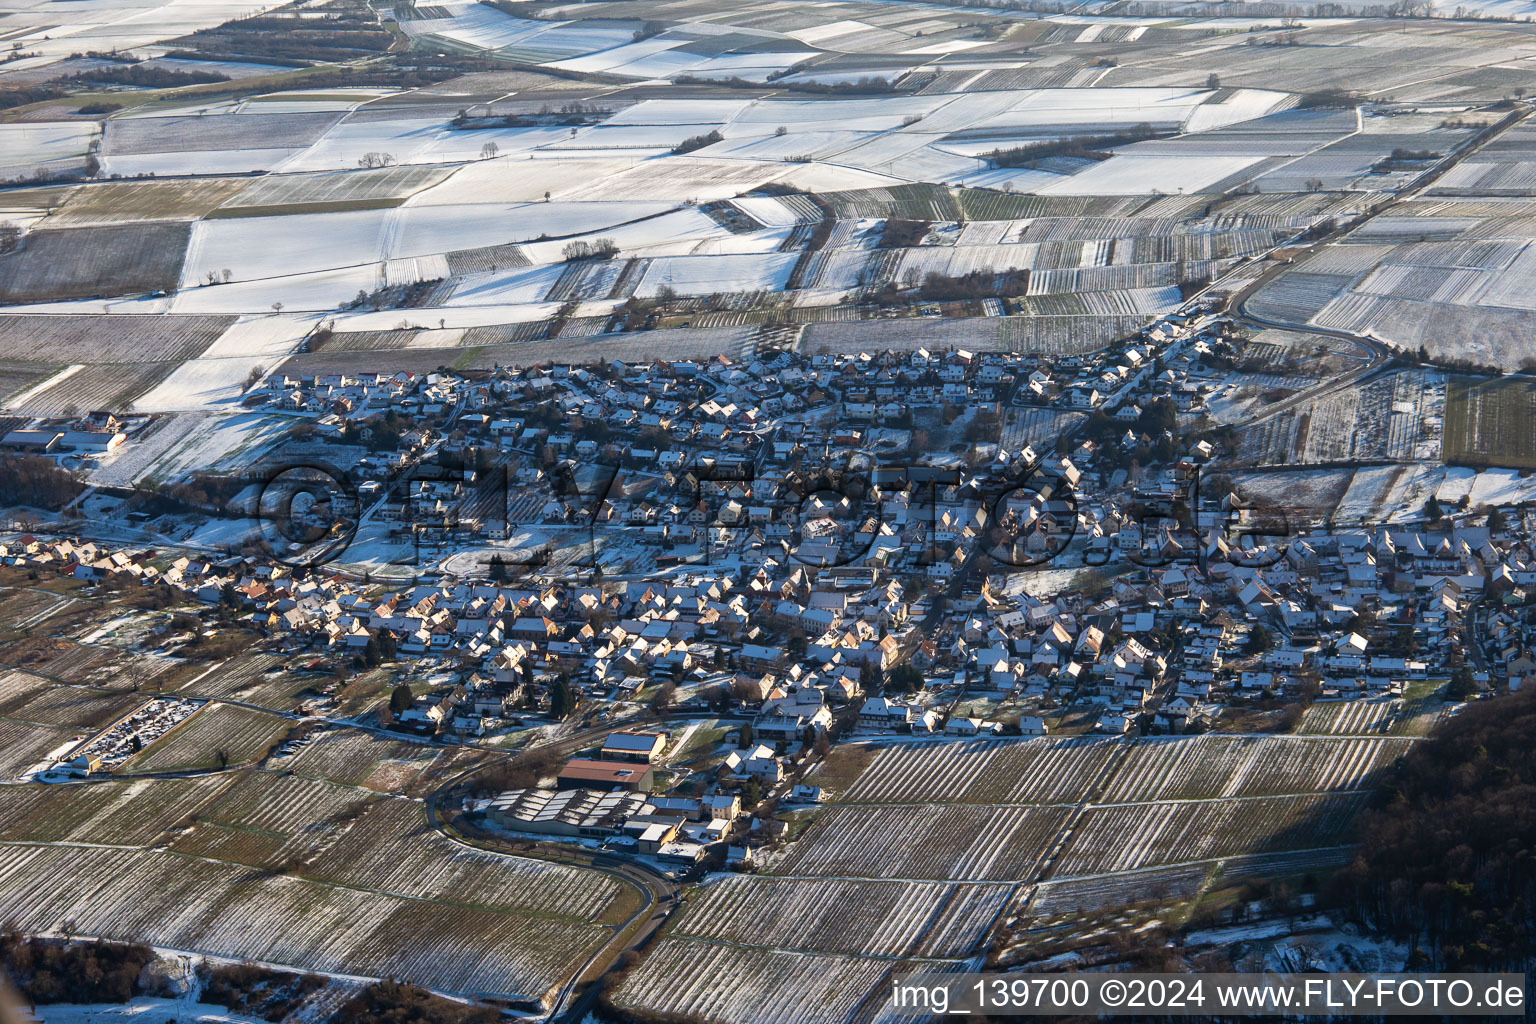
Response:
column 227, row 910
column 884, row 872
column 1296, row 297
column 886, row 918
column 621, row 184
column 1036, row 426
column 392, row 848
column 23, row 745
column 745, row 985
column 1039, row 771
column 235, row 678
column 49, row 704
column 358, row 758
column 136, row 813
column 1345, row 717
column 1117, row 889
column 952, row 810
column 284, row 804
column 924, row 841
column 1123, row 837
column 1214, row 766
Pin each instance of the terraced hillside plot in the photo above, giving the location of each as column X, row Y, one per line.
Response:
column 1041, row 771
column 1124, row 837
column 269, row 820
column 49, row 656
column 248, row 678
column 271, row 802
column 1488, row 422
column 111, row 386
column 1093, row 893
column 215, row 736
column 841, row 916
column 117, row 813
column 17, row 378
column 80, row 263
column 228, row 910
column 1034, row 426
column 1297, row 296
column 1217, row 767
column 95, row 666
column 25, row 608
column 391, row 848
column 924, row 841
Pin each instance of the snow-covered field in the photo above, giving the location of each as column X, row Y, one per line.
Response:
column 24, row 145
column 1136, row 175
column 189, row 441
column 114, row 25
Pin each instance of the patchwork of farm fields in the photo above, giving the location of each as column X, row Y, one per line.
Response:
column 345, row 879
column 181, row 902
column 932, row 843
column 993, row 809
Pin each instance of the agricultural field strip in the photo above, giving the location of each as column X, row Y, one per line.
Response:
column 760, row 985
column 813, row 915
column 1357, row 717
column 1216, row 797
column 936, row 842
column 360, row 758
column 1116, row 837
column 417, row 872
column 1001, row 772
column 1223, row 767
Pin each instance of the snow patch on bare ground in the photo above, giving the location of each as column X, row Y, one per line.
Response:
column 143, row 1008
column 1337, row 950
column 1313, row 493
